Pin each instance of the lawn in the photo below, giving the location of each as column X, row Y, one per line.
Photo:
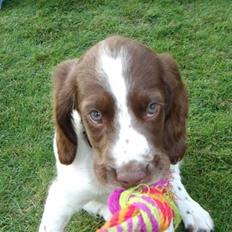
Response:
column 36, row 35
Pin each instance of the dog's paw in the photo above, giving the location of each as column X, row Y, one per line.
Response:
column 195, row 218
column 96, row 208
column 105, row 213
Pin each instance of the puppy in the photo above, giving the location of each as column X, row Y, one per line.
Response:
column 120, row 120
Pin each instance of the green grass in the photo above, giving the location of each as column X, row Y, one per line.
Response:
column 36, row 35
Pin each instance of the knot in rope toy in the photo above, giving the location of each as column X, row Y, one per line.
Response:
column 143, row 208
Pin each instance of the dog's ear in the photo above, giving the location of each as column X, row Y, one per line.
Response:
column 176, row 110
column 64, row 103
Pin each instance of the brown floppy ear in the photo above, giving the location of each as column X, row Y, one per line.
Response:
column 64, row 103
column 176, row 110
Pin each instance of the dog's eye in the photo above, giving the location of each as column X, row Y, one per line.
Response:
column 152, row 109
column 96, row 116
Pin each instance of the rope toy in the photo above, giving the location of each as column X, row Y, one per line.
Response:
column 143, row 208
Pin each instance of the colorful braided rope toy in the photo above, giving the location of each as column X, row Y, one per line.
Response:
column 142, row 208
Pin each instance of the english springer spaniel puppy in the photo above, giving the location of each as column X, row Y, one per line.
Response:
column 120, row 120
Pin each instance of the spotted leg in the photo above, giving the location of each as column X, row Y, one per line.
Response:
column 195, row 218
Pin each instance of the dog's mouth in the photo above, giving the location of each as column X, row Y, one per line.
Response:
column 131, row 174
column 146, row 181
column 108, row 177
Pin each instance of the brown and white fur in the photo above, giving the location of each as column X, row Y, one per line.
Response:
column 120, row 117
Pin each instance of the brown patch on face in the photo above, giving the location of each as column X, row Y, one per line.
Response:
column 100, row 136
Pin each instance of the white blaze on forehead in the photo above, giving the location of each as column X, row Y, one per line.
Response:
column 130, row 145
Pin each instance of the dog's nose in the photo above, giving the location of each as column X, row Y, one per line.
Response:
column 131, row 174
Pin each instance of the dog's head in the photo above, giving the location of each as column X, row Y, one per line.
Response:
column 133, row 106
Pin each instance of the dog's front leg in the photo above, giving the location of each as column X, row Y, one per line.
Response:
column 195, row 218
column 60, row 205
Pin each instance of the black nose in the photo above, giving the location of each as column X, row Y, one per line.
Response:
column 131, row 174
